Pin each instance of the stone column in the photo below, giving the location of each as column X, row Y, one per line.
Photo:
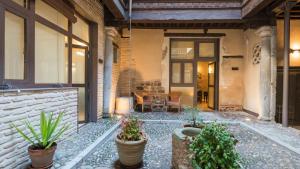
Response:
column 111, row 34
column 265, row 33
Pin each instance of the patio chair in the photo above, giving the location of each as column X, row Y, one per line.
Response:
column 174, row 100
column 143, row 100
column 159, row 102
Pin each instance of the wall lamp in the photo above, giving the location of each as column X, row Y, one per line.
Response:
column 295, row 52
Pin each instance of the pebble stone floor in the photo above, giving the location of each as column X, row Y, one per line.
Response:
column 256, row 151
column 86, row 135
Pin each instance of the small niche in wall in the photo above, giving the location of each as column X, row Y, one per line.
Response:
column 233, row 57
column 235, row 68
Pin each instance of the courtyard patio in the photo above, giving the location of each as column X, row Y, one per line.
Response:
column 262, row 145
column 72, row 72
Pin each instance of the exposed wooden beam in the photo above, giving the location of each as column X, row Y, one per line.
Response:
column 187, row 15
column 252, row 7
column 116, row 8
column 194, row 34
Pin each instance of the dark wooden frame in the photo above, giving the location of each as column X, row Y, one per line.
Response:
column 30, row 17
column 195, row 61
column 181, row 62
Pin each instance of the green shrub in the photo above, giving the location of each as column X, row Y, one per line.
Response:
column 49, row 132
column 131, row 130
column 214, row 148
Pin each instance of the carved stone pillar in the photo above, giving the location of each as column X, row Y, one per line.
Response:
column 265, row 33
column 111, row 35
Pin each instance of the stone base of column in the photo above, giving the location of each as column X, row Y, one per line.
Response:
column 106, row 115
column 263, row 118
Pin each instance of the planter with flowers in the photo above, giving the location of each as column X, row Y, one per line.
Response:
column 131, row 142
column 43, row 142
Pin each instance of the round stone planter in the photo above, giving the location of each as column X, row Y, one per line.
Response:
column 180, row 152
column 131, row 152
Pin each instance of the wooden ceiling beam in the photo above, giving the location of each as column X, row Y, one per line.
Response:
column 253, row 7
column 186, row 15
column 116, row 8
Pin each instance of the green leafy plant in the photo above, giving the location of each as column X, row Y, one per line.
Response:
column 214, row 148
column 49, row 132
column 131, row 130
column 195, row 121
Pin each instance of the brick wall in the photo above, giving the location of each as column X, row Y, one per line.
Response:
column 115, row 79
column 127, row 68
column 18, row 106
column 93, row 11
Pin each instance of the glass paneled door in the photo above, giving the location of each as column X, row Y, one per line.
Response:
column 207, row 74
column 79, row 79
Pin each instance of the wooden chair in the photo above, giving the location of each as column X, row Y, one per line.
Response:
column 143, row 100
column 159, row 102
column 174, row 100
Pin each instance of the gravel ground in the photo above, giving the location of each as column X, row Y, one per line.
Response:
column 86, row 135
column 157, row 153
column 256, row 151
column 176, row 116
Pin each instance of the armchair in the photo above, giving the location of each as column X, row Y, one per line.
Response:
column 174, row 100
column 143, row 100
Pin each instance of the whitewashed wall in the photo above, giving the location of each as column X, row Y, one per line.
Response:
column 251, row 100
column 17, row 106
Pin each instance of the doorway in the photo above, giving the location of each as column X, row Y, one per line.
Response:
column 187, row 56
column 79, row 80
column 206, row 85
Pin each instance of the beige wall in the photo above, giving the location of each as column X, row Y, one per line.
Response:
column 231, row 81
column 252, row 73
column 147, row 51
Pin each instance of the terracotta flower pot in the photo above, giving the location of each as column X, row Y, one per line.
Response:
column 41, row 158
column 131, row 152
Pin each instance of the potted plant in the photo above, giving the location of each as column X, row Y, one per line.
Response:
column 214, row 148
column 43, row 143
column 194, row 120
column 131, row 142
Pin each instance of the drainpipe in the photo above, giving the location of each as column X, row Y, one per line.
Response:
column 286, row 60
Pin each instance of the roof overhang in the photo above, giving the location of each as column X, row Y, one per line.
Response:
column 117, row 8
column 186, row 15
column 189, row 13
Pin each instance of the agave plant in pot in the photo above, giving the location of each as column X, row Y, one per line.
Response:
column 43, row 142
column 131, row 142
